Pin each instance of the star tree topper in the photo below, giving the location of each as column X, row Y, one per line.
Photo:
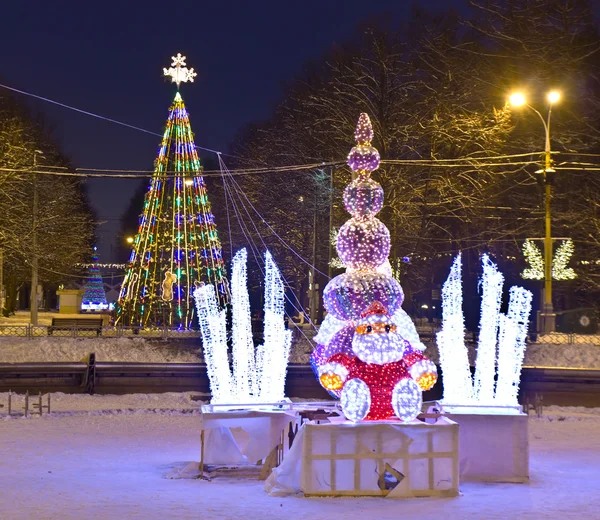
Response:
column 179, row 72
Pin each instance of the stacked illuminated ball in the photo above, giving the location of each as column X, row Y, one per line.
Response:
column 363, row 243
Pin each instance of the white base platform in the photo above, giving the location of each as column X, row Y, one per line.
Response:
column 494, row 447
column 383, row 458
column 242, row 436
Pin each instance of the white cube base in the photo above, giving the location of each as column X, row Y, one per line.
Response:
column 494, row 447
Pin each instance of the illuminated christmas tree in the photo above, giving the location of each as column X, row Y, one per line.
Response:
column 176, row 245
column 94, row 297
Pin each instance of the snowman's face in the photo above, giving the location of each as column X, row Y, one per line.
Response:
column 377, row 341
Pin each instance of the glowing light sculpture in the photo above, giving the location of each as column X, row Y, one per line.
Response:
column 177, row 243
column 213, row 325
column 454, row 357
column 485, row 363
column 560, row 261
column 94, row 296
column 254, row 376
column 511, row 345
column 274, row 353
column 242, row 354
column 563, row 254
column 502, row 341
column 368, row 352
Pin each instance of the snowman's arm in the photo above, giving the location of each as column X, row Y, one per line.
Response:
column 421, row 369
column 334, row 372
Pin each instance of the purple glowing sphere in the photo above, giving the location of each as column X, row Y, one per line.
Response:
column 348, row 295
column 363, row 197
column 363, row 243
column 363, row 158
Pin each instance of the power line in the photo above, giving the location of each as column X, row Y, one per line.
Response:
column 142, row 174
column 98, row 116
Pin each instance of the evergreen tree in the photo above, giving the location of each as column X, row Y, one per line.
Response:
column 94, row 297
column 176, row 245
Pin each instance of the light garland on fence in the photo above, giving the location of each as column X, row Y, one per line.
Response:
column 254, row 376
column 368, row 350
column 562, row 256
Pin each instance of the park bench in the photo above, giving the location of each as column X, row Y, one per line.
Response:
column 87, row 324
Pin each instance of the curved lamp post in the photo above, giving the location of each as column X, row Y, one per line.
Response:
column 517, row 100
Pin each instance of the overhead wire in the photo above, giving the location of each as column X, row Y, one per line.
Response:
column 252, row 243
column 97, row 116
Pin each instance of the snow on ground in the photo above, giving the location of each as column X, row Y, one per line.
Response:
column 137, row 350
column 113, row 464
column 555, row 350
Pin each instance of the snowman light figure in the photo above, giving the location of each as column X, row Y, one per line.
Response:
column 385, row 377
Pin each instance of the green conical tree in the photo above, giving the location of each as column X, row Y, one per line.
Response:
column 176, row 244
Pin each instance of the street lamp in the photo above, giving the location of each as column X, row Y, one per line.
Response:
column 129, row 240
column 516, row 100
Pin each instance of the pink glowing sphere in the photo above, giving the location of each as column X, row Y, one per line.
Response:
column 363, row 243
column 363, row 158
column 348, row 295
column 363, row 197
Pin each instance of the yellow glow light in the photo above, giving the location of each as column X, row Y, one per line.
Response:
column 129, row 240
column 331, row 381
column 553, row 96
column 427, row 380
column 189, row 182
column 517, row 99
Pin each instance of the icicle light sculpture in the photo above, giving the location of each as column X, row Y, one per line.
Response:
column 454, row 356
column 368, row 351
column 501, row 341
column 254, row 376
column 485, row 364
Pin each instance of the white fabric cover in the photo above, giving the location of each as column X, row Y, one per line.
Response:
column 245, row 436
column 346, row 459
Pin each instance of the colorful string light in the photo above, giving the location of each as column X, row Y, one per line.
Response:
column 177, row 242
column 94, row 297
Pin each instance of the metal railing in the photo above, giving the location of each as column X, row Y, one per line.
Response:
column 31, row 331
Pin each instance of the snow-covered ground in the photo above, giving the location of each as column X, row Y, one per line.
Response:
column 135, row 350
column 556, row 350
column 106, row 457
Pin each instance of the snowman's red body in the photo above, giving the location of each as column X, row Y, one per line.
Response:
column 380, row 379
column 384, row 378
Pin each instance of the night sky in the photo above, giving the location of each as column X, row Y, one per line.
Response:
column 107, row 58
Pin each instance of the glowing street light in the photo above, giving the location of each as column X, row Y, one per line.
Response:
column 517, row 100
column 129, row 240
column 553, row 96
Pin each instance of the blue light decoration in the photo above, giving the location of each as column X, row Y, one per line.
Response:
column 94, row 297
